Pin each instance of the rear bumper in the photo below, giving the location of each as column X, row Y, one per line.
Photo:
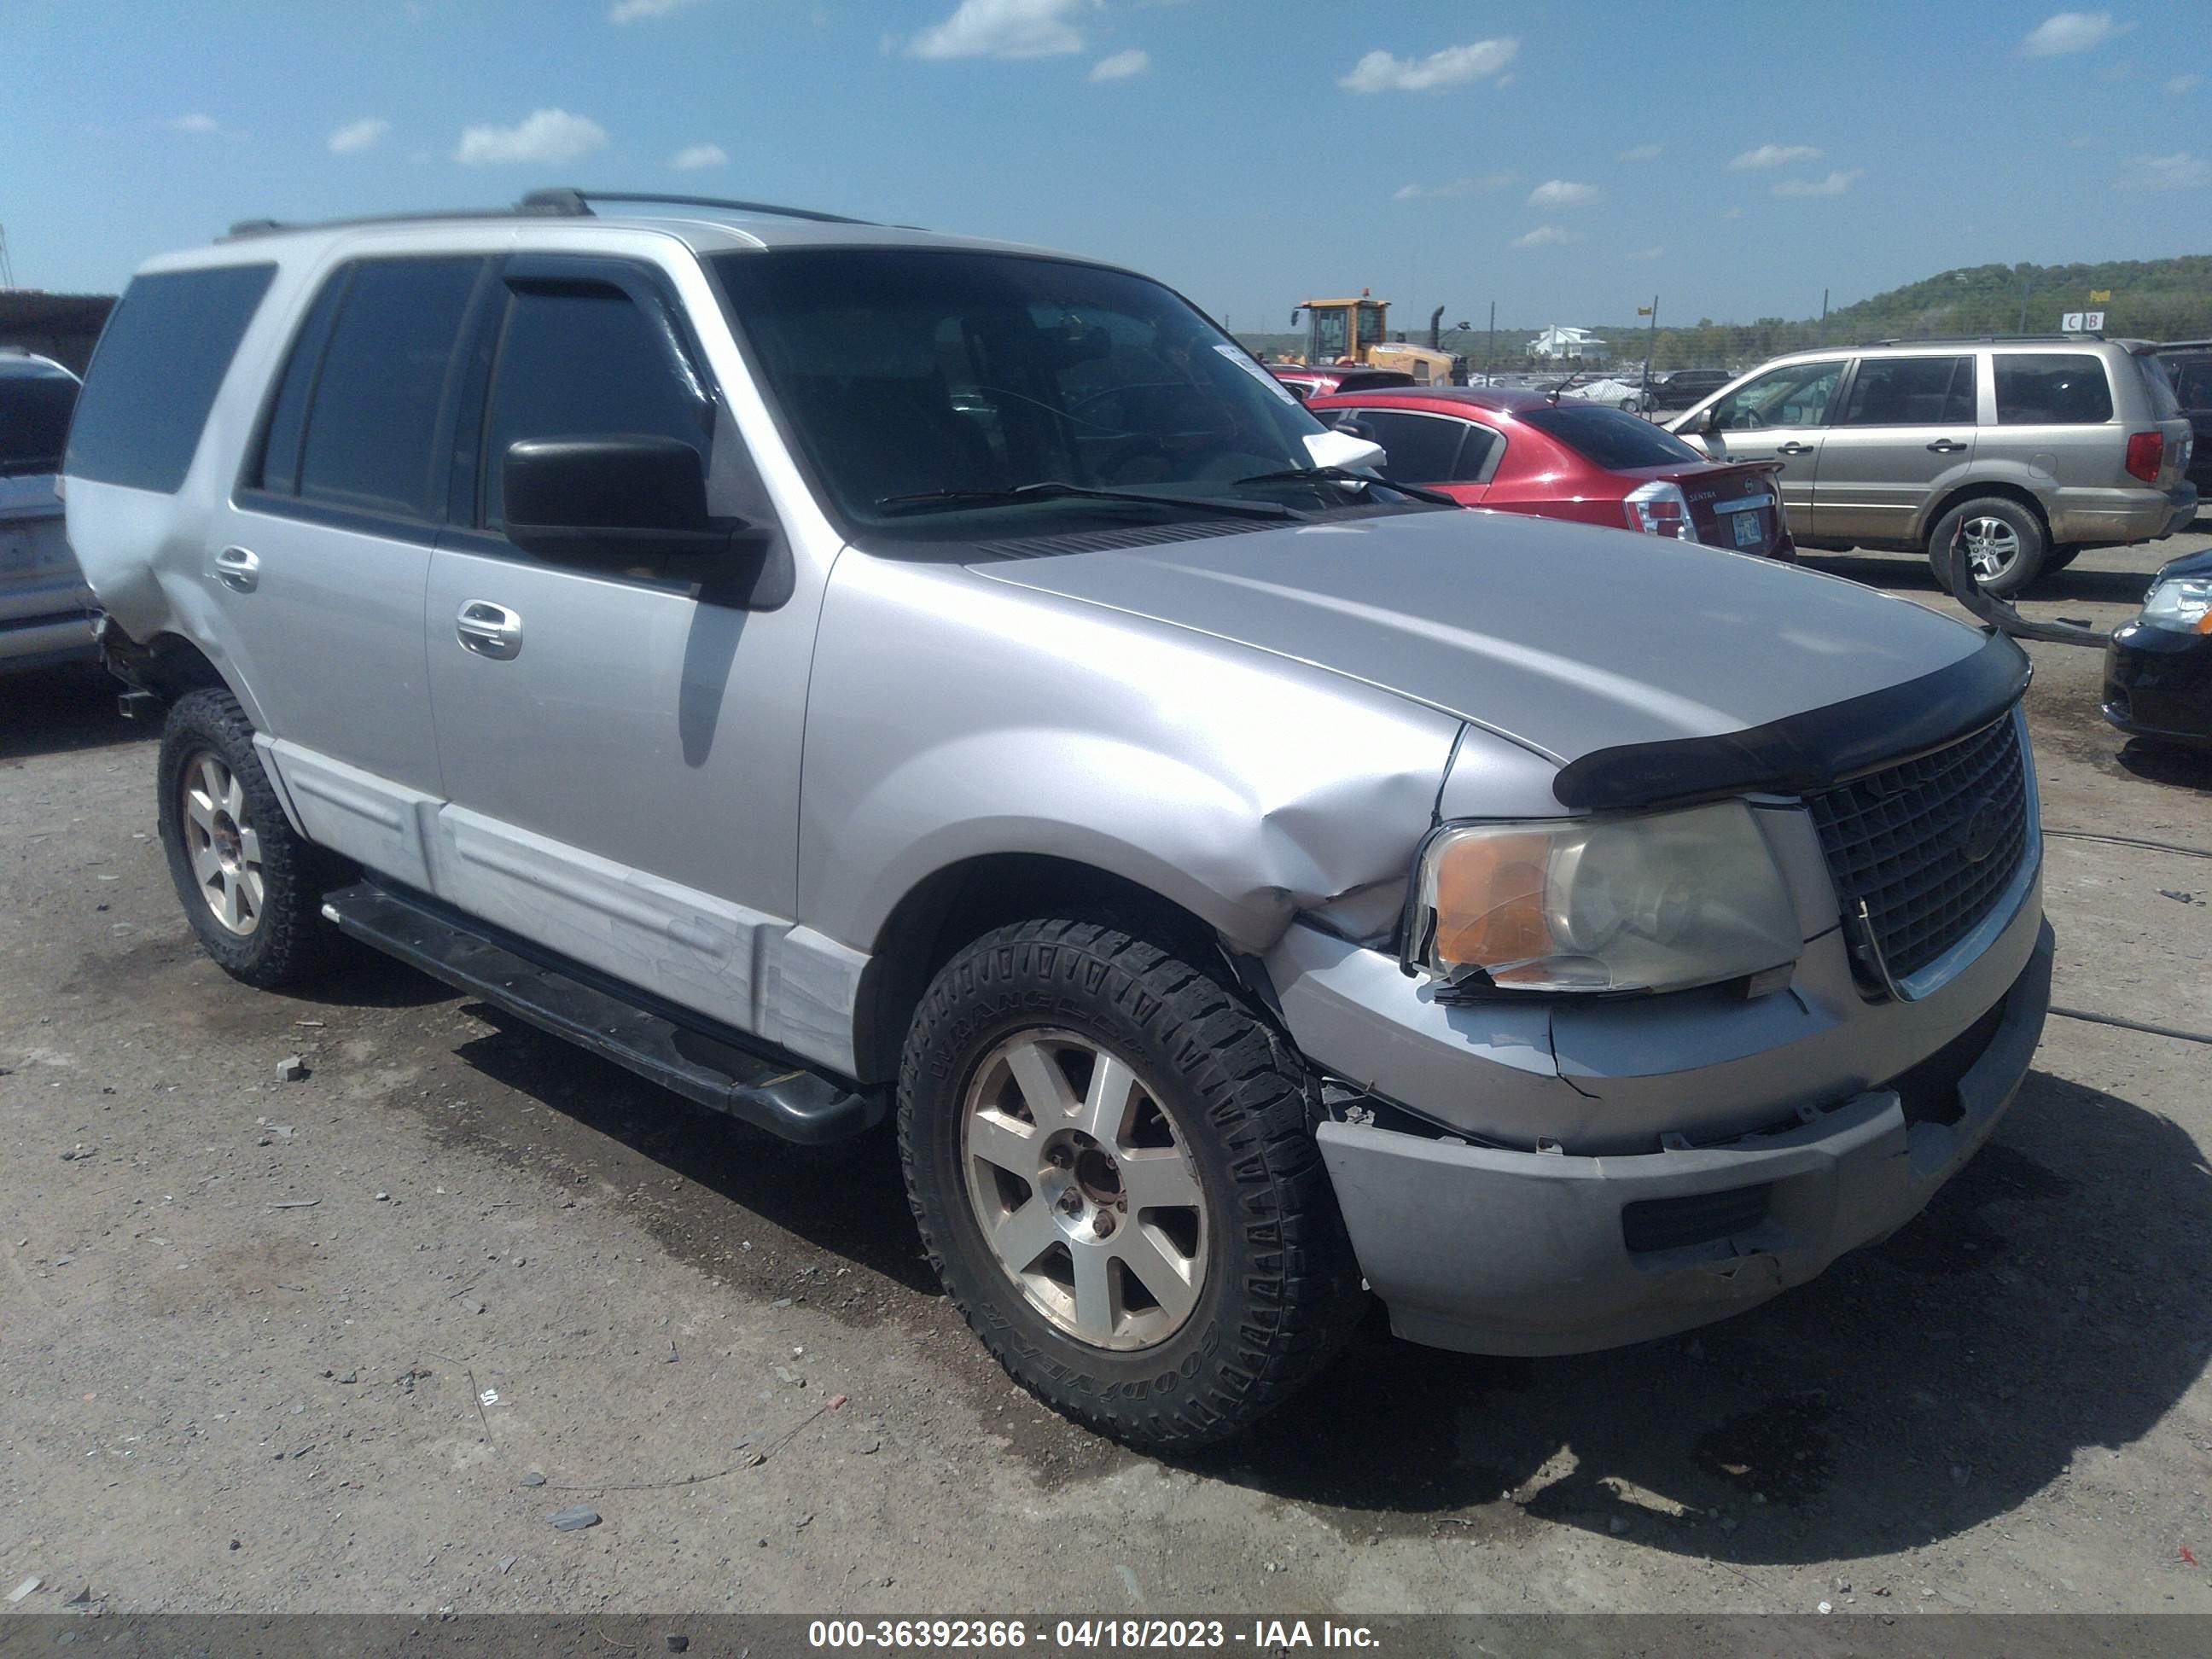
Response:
column 2095, row 518
column 45, row 640
column 2158, row 684
column 1494, row 1251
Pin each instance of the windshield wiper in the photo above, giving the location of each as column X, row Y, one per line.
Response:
column 1345, row 474
column 926, row 501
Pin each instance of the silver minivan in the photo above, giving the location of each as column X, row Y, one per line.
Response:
column 2035, row 448
column 846, row 673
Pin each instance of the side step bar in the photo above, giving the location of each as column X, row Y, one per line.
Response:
column 692, row 1060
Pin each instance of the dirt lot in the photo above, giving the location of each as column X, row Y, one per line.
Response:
column 504, row 1262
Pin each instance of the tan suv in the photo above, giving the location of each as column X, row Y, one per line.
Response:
column 2037, row 448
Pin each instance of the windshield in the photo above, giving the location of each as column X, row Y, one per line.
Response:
column 35, row 417
column 920, row 383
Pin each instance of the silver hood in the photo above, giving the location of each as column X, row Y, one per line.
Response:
column 1564, row 638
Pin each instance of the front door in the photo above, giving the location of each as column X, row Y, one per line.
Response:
column 621, row 753
column 1903, row 430
column 1780, row 416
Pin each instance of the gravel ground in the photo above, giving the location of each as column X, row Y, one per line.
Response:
column 346, row 1343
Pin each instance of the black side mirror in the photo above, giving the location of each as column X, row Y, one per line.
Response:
column 615, row 500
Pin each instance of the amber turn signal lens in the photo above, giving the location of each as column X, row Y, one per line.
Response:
column 1489, row 900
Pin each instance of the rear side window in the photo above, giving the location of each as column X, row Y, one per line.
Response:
column 1911, row 392
column 2051, row 388
column 586, row 362
column 371, row 442
column 1610, row 438
column 155, row 376
column 35, row 417
column 1423, row 448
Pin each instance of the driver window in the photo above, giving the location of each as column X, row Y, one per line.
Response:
column 1797, row 395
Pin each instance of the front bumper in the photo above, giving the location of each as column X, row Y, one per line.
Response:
column 1494, row 1251
column 2158, row 684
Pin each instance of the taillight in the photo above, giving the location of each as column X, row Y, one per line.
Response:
column 1659, row 509
column 2146, row 454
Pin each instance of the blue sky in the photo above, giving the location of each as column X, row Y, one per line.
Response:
column 1566, row 160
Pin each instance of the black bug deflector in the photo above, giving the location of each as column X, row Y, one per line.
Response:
column 1802, row 753
column 711, row 1067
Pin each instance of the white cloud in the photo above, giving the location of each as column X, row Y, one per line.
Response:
column 1002, row 28
column 1122, row 65
column 548, row 136
column 1546, row 236
column 357, row 135
column 198, row 125
column 1834, row 184
column 2182, row 83
column 2069, row 30
column 1379, row 71
column 1470, row 186
column 1562, row 193
column 1641, row 152
column 1652, row 252
column 629, row 11
column 1774, row 156
column 2179, row 171
column 693, row 156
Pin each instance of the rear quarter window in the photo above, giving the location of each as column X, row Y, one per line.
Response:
column 1610, row 438
column 2052, row 388
column 155, row 374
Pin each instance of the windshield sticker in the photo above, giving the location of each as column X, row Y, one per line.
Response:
column 1237, row 355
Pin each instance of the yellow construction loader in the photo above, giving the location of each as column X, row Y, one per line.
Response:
column 1344, row 332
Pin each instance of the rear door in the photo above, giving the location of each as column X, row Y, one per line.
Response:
column 1433, row 451
column 1902, row 432
column 1780, row 416
column 320, row 558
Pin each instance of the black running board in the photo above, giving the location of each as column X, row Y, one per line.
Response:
column 714, row 1068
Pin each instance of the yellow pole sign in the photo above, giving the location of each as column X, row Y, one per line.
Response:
column 2100, row 294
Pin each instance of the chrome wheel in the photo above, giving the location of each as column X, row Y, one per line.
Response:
column 1083, row 1189
column 1992, row 547
column 220, row 842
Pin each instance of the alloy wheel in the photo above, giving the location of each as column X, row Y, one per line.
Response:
column 220, row 843
column 1083, row 1189
column 1992, row 546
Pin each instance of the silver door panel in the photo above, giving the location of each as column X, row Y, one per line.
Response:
column 369, row 818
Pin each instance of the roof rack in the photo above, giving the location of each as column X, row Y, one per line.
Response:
column 562, row 202
column 1986, row 339
column 568, row 200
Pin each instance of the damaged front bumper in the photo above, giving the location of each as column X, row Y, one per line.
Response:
column 1497, row 1251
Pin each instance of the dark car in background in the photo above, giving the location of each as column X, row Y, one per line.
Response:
column 45, row 606
column 2188, row 365
column 2158, row 669
column 1679, row 388
column 1525, row 451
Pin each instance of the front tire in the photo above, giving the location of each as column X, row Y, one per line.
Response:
column 250, row 887
column 2006, row 546
column 1109, row 1156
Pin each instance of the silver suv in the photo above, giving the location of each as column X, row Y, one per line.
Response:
column 842, row 671
column 2035, row 447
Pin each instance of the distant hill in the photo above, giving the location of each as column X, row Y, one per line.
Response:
column 2152, row 299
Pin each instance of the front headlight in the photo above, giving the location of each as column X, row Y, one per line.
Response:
column 2181, row 603
column 1657, row 901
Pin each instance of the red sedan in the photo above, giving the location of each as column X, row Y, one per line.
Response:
column 1521, row 451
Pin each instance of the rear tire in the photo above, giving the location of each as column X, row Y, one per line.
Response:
column 2007, row 548
column 1048, row 1065
column 252, row 887
column 2060, row 558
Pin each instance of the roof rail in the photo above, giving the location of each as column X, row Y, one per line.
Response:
column 567, row 199
column 1982, row 339
column 562, row 202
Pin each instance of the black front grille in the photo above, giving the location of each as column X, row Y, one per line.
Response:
column 1930, row 844
column 1669, row 1223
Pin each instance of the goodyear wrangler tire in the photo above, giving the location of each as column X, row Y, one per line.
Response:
column 250, row 887
column 1109, row 1156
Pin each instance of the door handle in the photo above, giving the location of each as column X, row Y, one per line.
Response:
column 1947, row 447
column 238, row 570
column 488, row 630
column 1793, row 448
